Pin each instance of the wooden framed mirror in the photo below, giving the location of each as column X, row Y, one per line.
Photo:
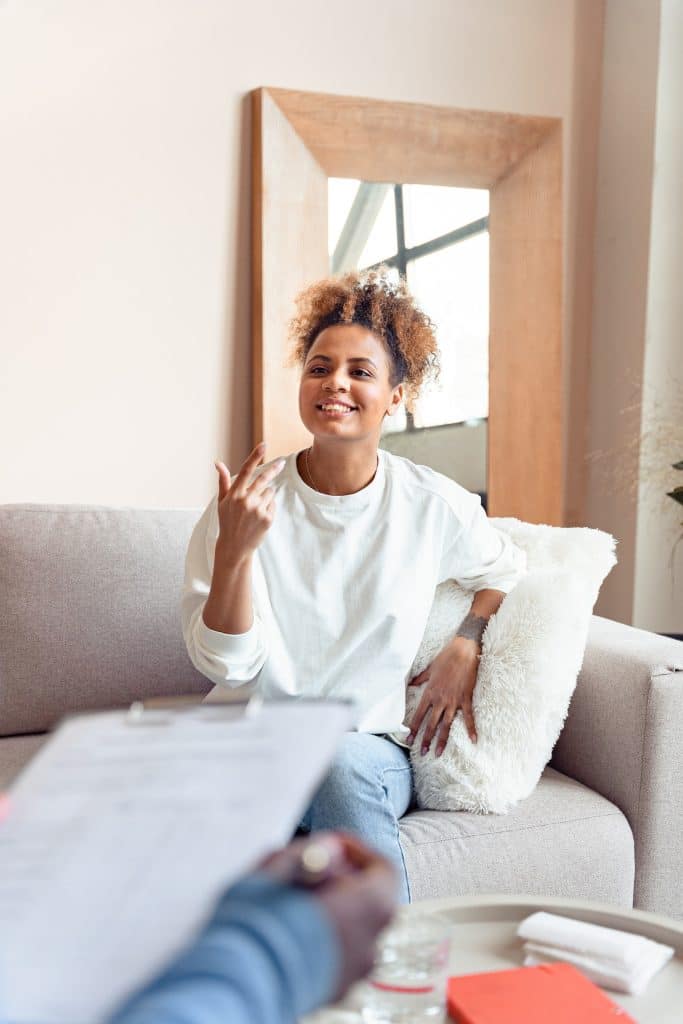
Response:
column 300, row 140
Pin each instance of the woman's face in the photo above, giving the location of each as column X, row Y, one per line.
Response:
column 345, row 388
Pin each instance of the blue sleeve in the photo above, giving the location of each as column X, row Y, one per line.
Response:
column 268, row 956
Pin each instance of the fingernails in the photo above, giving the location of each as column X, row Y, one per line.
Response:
column 410, row 737
column 424, row 748
column 439, row 751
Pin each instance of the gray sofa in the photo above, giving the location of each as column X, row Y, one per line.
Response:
column 89, row 618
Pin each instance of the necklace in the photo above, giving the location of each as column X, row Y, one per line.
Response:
column 310, row 475
column 308, row 471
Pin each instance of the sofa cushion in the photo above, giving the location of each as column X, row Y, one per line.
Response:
column 15, row 752
column 90, row 610
column 563, row 840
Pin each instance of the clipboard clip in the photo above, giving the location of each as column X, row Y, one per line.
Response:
column 138, row 714
column 161, row 712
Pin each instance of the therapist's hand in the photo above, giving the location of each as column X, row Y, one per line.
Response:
column 449, row 683
column 356, row 888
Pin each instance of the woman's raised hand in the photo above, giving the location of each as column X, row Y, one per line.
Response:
column 245, row 509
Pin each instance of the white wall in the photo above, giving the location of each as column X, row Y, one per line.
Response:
column 658, row 592
column 622, row 243
column 124, row 204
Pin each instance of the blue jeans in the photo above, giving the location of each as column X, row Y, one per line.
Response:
column 368, row 788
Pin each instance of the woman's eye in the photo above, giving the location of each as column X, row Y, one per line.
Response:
column 314, row 370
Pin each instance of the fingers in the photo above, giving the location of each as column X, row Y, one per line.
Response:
column 223, row 479
column 379, row 882
column 439, row 719
column 248, row 467
column 422, row 678
column 430, row 729
column 242, row 484
column 367, row 867
column 357, row 853
column 263, row 479
column 444, row 730
column 281, row 863
column 422, row 709
column 468, row 715
column 367, row 871
column 290, row 864
column 323, row 858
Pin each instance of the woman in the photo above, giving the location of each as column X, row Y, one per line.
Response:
column 316, row 575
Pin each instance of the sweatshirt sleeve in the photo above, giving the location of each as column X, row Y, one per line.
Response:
column 268, row 956
column 480, row 556
column 228, row 659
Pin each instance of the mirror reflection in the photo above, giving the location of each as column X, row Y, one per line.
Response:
column 437, row 238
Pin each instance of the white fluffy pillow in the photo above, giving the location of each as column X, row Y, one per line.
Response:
column 532, row 651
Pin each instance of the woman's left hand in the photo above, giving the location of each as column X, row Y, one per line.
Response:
column 450, row 680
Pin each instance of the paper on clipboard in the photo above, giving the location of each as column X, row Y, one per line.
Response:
column 123, row 832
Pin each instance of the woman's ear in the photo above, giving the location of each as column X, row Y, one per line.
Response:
column 396, row 399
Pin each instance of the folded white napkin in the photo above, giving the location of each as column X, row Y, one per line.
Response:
column 615, row 959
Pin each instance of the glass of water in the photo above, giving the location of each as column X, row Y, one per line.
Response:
column 408, row 980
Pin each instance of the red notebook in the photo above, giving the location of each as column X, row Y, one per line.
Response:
column 531, row 995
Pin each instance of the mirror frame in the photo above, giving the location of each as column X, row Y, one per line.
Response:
column 300, row 139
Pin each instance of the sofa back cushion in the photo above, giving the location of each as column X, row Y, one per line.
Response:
column 90, row 610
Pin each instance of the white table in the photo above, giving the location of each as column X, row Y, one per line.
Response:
column 484, row 939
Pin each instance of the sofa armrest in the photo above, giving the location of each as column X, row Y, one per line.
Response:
column 622, row 738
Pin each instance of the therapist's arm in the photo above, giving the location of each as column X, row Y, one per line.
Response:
column 268, row 956
column 274, row 950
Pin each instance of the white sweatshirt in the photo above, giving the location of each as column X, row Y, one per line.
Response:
column 343, row 584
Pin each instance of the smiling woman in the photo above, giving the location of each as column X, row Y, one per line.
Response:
column 345, row 395
column 356, row 371
column 320, row 568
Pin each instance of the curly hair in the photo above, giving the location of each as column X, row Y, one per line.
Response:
column 386, row 308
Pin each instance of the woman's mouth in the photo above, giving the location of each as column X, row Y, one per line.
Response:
column 336, row 409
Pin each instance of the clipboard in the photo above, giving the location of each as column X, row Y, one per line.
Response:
column 126, row 828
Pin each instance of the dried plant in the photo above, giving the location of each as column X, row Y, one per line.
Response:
column 652, row 449
column 677, row 493
column 648, row 460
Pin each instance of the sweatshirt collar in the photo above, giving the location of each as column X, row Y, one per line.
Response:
column 342, row 502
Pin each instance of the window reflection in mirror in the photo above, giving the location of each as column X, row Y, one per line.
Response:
column 437, row 238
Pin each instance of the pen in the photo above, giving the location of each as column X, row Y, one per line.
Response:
column 320, row 861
